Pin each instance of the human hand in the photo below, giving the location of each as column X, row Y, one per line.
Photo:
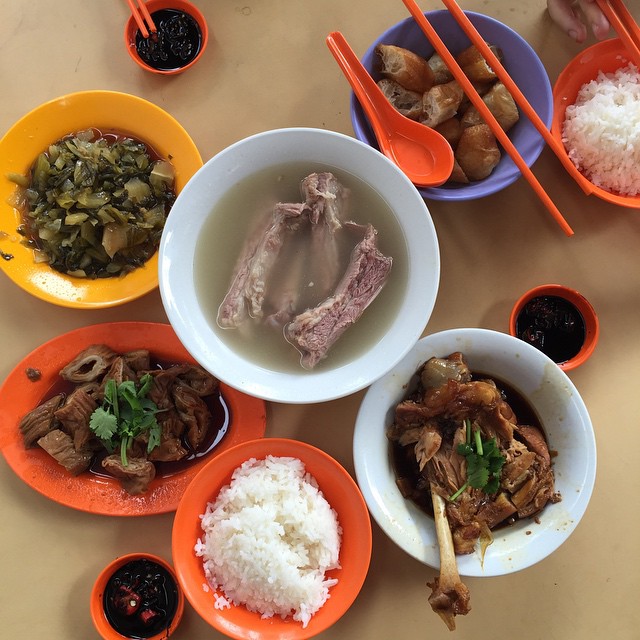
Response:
column 573, row 17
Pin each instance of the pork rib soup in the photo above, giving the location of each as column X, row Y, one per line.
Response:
column 301, row 267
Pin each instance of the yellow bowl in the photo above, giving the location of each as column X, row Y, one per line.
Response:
column 108, row 111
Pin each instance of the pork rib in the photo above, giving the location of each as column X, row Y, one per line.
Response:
column 315, row 330
column 247, row 290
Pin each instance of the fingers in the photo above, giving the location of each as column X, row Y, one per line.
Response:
column 573, row 18
column 564, row 15
column 595, row 18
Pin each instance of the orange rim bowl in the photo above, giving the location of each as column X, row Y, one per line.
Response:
column 591, row 322
column 343, row 495
column 606, row 56
column 96, row 606
column 108, row 111
column 131, row 28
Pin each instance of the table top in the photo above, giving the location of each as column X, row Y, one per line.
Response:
column 267, row 67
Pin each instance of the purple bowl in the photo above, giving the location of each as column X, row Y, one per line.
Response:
column 524, row 67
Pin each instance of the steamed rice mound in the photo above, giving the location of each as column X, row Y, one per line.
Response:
column 601, row 131
column 269, row 538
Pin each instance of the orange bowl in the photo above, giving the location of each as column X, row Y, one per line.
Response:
column 343, row 495
column 97, row 606
column 108, row 111
column 591, row 323
column 131, row 29
column 606, row 56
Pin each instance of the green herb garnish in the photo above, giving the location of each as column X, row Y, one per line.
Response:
column 126, row 413
column 484, row 462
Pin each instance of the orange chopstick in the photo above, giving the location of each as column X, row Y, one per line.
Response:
column 624, row 25
column 138, row 18
column 147, row 16
column 488, row 117
column 495, row 64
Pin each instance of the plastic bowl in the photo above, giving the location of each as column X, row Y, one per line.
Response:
column 606, row 56
column 97, row 606
column 108, row 111
column 131, row 29
column 522, row 64
column 340, row 491
column 591, row 323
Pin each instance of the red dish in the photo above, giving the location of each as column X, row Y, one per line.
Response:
column 87, row 491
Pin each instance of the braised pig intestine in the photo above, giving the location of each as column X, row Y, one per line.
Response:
column 430, row 424
column 60, row 425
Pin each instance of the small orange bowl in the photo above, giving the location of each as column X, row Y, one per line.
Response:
column 579, row 303
column 607, row 56
column 97, row 605
column 340, row 491
column 132, row 33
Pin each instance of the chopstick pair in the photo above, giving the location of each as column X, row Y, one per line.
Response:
column 624, row 25
column 479, row 104
column 141, row 16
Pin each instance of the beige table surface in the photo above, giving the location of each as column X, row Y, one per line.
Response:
column 266, row 67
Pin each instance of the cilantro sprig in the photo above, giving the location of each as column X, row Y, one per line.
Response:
column 484, row 462
column 126, row 413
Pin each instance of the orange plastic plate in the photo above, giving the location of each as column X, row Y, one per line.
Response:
column 87, row 491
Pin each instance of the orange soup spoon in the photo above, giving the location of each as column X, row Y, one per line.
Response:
column 424, row 156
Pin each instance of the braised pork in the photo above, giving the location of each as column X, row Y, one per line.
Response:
column 193, row 412
column 59, row 445
column 74, row 416
column 134, row 477
column 40, row 421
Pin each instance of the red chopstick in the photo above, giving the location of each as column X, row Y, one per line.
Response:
column 488, row 117
column 624, row 25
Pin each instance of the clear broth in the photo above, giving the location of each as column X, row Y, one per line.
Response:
column 223, row 236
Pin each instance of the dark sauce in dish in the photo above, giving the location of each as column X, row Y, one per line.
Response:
column 140, row 599
column 406, row 467
column 176, row 44
column 553, row 325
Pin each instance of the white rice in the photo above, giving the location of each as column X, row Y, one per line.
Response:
column 602, row 131
column 269, row 538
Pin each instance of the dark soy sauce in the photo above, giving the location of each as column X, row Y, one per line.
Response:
column 553, row 325
column 176, row 44
column 140, row 599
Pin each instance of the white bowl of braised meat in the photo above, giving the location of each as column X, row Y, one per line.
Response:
column 476, row 450
column 299, row 265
